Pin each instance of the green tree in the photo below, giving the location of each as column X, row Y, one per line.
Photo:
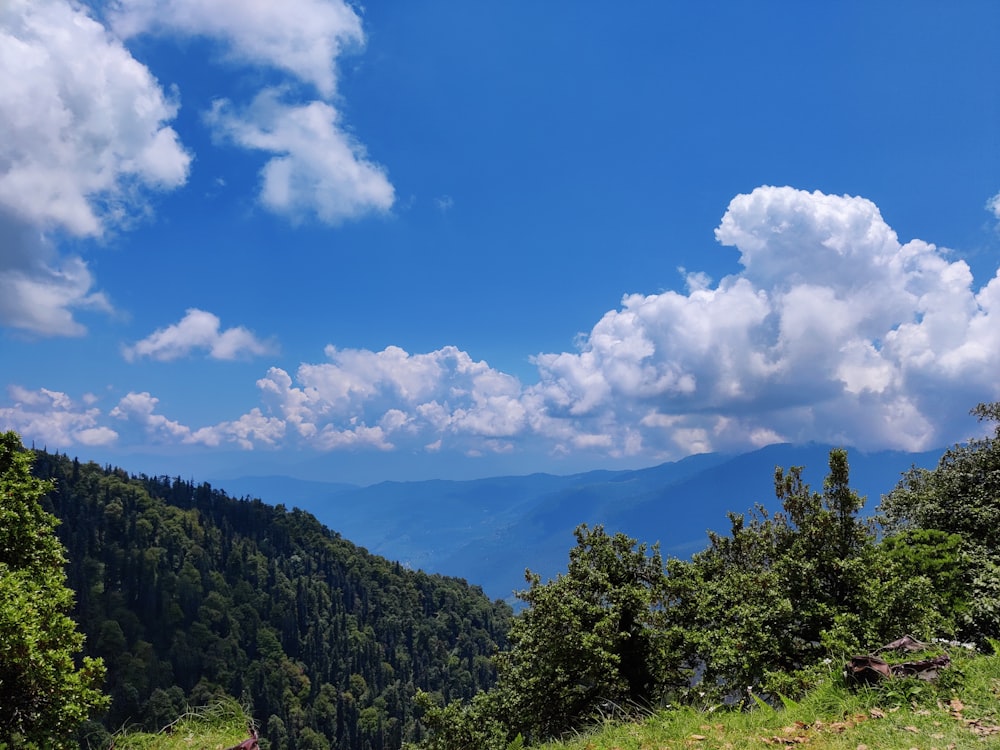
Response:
column 589, row 642
column 961, row 496
column 939, row 557
column 477, row 725
column 185, row 591
column 44, row 695
column 762, row 606
column 730, row 603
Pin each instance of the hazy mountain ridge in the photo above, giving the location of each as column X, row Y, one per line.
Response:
column 489, row 530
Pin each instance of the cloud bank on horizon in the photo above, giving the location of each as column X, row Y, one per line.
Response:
column 833, row 329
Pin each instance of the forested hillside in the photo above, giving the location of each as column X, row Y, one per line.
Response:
column 764, row 616
column 187, row 593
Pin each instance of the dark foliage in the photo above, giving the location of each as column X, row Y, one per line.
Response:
column 44, row 694
column 760, row 612
column 761, row 607
column 590, row 643
column 188, row 594
column 960, row 500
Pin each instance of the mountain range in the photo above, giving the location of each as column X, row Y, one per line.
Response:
column 489, row 531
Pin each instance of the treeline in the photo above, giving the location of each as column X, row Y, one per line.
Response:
column 763, row 614
column 187, row 595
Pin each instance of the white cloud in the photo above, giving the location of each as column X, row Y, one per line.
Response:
column 317, row 168
column 248, row 431
column 140, row 408
column 360, row 436
column 83, row 127
column 833, row 331
column 52, row 419
column 198, row 330
column 39, row 291
column 81, row 121
column 302, row 37
column 85, row 132
column 365, row 398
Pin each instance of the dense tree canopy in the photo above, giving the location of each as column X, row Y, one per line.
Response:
column 189, row 595
column 591, row 642
column 753, row 615
column 960, row 499
column 783, row 591
column 44, row 693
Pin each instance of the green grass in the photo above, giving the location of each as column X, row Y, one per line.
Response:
column 963, row 712
column 214, row 727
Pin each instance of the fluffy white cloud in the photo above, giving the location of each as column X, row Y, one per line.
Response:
column 53, row 419
column 366, row 398
column 81, row 121
column 83, row 126
column 198, row 330
column 248, row 431
column 318, row 169
column 833, row 331
column 39, row 290
column 85, row 132
column 140, row 408
column 301, row 37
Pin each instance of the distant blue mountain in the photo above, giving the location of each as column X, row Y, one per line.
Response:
column 489, row 530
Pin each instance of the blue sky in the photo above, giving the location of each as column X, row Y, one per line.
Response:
column 408, row 240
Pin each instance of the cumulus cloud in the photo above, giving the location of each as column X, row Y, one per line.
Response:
column 85, row 132
column 81, row 121
column 248, row 431
column 833, row 330
column 380, row 399
column 198, row 330
column 83, row 129
column 140, row 408
column 53, row 419
column 301, row 37
column 317, row 168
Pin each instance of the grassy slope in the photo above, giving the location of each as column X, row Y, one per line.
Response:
column 214, row 727
column 831, row 718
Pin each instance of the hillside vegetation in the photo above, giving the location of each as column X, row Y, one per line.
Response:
column 219, row 725
column 189, row 595
column 959, row 714
column 758, row 617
